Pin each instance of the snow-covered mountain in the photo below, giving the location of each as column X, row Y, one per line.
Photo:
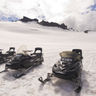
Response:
column 75, row 14
column 44, row 23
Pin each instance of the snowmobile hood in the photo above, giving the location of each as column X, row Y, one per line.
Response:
column 70, row 54
column 67, row 54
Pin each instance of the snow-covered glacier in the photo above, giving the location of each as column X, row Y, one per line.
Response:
column 53, row 40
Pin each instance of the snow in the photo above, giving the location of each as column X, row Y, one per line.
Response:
column 53, row 41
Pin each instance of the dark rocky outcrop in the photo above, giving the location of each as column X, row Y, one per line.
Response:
column 53, row 24
column 63, row 26
column 44, row 23
column 86, row 31
column 26, row 19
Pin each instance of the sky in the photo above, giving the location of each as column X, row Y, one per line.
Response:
column 74, row 13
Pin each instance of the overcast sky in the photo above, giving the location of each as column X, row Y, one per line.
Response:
column 95, row 1
column 51, row 10
column 48, row 8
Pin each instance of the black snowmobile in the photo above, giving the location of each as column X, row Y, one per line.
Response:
column 69, row 67
column 7, row 56
column 23, row 62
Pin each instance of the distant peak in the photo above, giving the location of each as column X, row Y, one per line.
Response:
column 26, row 19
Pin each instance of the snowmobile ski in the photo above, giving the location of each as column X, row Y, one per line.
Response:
column 49, row 75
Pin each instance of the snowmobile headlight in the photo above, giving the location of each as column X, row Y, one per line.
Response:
column 65, row 60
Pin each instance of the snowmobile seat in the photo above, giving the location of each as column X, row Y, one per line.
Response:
column 37, row 52
column 78, row 51
column 38, row 49
column 12, row 48
column 11, row 51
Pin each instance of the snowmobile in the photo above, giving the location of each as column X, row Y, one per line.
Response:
column 23, row 62
column 2, row 57
column 69, row 67
column 7, row 56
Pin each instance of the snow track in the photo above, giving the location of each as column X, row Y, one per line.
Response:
column 53, row 41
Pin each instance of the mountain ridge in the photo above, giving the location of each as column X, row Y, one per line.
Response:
column 44, row 23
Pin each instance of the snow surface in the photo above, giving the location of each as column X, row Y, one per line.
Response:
column 53, row 41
